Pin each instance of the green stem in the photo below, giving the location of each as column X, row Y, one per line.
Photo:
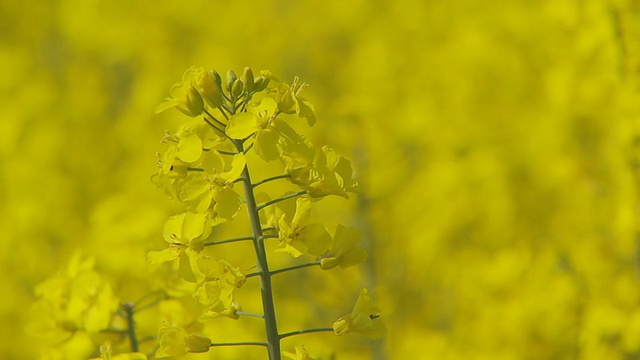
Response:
column 282, row 198
column 304, row 331
column 249, row 147
column 315, row 263
column 264, row 181
column 221, row 109
column 214, row 126
column 242, row 313
column 211, row 243
column 226, row 152
column 131, row 330
column 216, row 120
column 262, row 266
column 241, row 343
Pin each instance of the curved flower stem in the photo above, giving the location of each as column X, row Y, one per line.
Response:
column 304, row 331
column 151, row 304
column 264, row 181
column 241, row 343
column 218, row 129
column 268, row 228
column 249, row 147
column 262, row 266
column 221, row 109
column 226, row 152
column 315, row 263
column 211, row 243
column 282, row 198
column 214, row 126
column 214, row 119
column 131, row 330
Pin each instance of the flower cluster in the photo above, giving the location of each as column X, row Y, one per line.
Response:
column 205, row 168
column 76, row 299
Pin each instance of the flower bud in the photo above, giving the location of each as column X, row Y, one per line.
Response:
column 217, row 77
column 231, row 79
column 247, row 79
column 261, row 83
column 209, row 88
column 193, row 102
column 237, row 89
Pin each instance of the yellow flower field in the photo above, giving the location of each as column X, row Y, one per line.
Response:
column 495, row 145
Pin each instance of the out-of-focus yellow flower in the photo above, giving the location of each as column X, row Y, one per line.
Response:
column 176, row 341
column 105, row 354
column 300, row 354
column 77, row 298
column 364, row 319
column 344, row 250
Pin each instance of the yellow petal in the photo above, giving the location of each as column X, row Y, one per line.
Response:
column 241, row 125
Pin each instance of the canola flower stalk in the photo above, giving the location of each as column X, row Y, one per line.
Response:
column 203, row 166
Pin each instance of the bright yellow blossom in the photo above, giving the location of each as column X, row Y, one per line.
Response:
column 364, row 319
column 298, row 237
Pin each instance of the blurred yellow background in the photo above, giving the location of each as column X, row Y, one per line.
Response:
column 497, row 144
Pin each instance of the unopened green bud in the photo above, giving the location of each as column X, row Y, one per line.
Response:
column 261, row 83
column 247, row 79
column 217, row 77
column 237, row 89
column 193, row 103
column 209, row 88
column 231, row 79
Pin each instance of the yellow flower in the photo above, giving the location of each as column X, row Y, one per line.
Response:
column 298, row 237
column 364, row 319
column 327, row 174
column 77, row 298
column 218, row 281
column 105, row 354
column 344, row 250
column 300, row 354
column 175, row 341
